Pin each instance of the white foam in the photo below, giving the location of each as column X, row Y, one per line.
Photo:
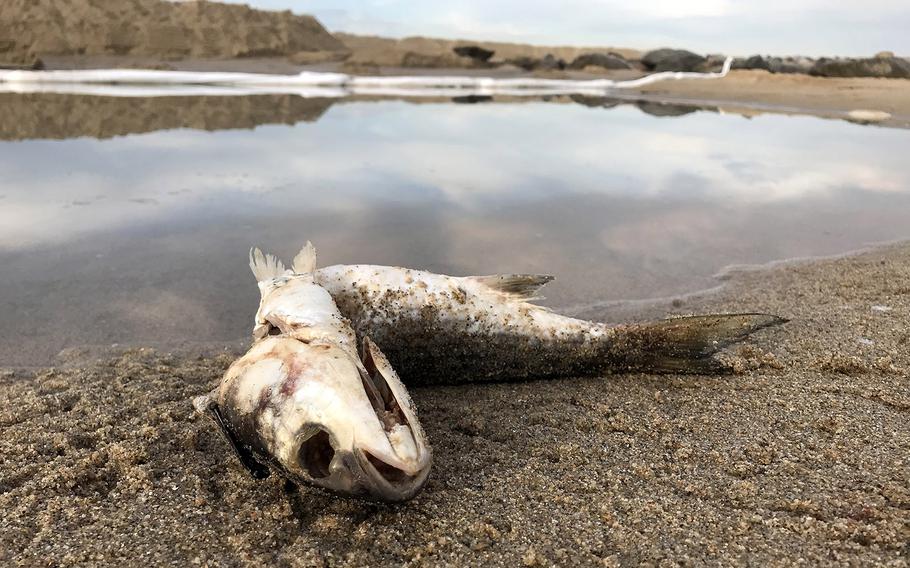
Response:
column 155, row 83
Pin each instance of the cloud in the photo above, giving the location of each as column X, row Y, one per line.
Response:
column 810, row 27
column 459, row 157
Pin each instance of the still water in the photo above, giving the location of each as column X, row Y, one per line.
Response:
column 128, row 221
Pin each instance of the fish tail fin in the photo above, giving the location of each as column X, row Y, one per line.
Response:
column 265, row 266
column 305, row 261
column 686, row 344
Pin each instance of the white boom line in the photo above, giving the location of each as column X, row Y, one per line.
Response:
column 152, row 83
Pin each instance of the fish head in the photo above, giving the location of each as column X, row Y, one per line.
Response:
column 339, row 420
column 294, row 305
column 381, row 451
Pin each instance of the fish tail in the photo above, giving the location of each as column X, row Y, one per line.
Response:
column 685, row 344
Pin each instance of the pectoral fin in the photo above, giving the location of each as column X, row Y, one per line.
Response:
column 518, row 286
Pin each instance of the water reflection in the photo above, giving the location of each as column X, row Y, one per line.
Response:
column 58, row 116
column 142, row 239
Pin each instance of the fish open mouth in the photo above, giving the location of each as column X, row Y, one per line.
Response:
column 409, row 469
column 316, row 454
column 380, row 394
column 388, row 483
column 388, row 472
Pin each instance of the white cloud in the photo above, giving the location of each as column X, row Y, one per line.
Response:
column 809, row 27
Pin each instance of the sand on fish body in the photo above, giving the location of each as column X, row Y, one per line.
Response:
column 802, row 456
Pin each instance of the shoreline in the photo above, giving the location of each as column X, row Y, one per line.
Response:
column 801, row 455
column 744, row 92
column 611, row 311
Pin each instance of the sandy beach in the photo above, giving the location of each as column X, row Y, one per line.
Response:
column 800, row 457
column 126, row 221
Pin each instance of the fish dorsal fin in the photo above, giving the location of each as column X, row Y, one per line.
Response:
column 265, row 266
column 305, row 261
column 518, row 286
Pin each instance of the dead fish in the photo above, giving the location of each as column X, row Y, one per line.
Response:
column 304, row 402
column 446, row 329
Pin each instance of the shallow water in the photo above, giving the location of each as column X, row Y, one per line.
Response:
column 129, row 220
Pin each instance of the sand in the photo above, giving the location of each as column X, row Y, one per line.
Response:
column 746, row 93
column 209, row 36
column 31, row 29
column 764, row 91
column 372, row 52
column 802, row 457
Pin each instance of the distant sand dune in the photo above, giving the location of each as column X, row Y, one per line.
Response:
column 33, row 28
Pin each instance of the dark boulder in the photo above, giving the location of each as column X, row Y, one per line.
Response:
column 790, row 65
column 596, row 102
column 548, row 63
column 752, row 62
column 552, row 63
column 672, row 60
column 882, row 67
column 599, row 60
column 665, row 109
column 474, row 52
column 472, row 99
column 775, row 64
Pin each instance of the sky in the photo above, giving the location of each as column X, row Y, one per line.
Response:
column 738, row 27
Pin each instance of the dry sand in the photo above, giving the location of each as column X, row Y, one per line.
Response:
column 32, row 29
column 762, row 90
column 376, row 52
column 803, row 457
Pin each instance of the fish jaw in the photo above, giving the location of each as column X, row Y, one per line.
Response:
column 312, row 411
column 399, row 468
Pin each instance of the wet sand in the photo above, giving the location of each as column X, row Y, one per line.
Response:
column 802, row 457
column 760, row 91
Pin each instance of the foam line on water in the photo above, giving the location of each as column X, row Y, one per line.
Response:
column 153, row 83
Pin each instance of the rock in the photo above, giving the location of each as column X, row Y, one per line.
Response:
column 606, row 61
column 672, row 60
column 548, row 63
column 714, row 62
column 890, row 67
column 595, row 102
column 472, row 99
column 884, row 55
column 665, row 109
column 775, row 64
column 552, row 63
column 751, row 62
column 474, row 52
column 791, row 65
